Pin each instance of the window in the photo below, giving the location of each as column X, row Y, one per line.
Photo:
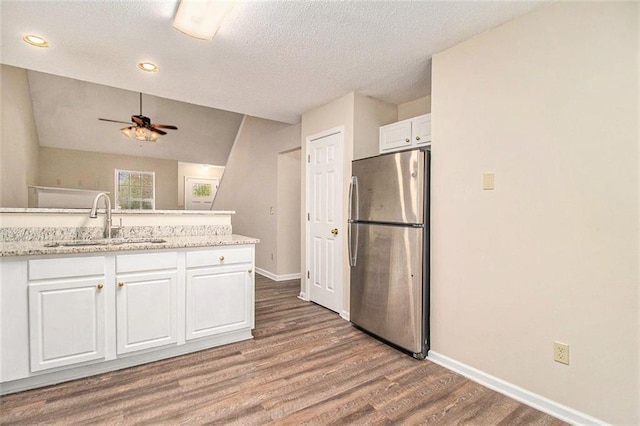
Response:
column 135, row 190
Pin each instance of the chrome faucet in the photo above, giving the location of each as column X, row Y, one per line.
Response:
column 94, row 212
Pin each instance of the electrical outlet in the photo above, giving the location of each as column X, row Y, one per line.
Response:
column 561, row 352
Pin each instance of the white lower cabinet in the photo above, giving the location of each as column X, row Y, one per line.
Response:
column 67, row 316
column 74, row 316
column 146, row 301
column 66, row 322
column 146, row 310
column 219, row 299
column 219, row 291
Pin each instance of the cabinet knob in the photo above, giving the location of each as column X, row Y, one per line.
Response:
column 417, row 138
column 407, row 140
column 221, row 258
column 121, row 284
column 100, row 286
column 250, row 271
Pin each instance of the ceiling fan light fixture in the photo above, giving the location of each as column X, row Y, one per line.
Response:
column 201, row 18
column 35, row 40
column 148, row 66
column 126, row 132
column 141, row 133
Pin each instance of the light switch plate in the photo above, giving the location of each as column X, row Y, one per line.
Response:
column 488, row 181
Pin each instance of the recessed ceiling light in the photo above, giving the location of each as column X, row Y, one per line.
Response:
column 34, row 40
column 147, row 66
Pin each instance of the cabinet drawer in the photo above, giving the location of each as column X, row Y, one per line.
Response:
column 220, row 256
column 146, row 261
column 42, row 269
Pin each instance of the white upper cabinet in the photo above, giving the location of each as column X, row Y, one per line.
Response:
column 406, row 134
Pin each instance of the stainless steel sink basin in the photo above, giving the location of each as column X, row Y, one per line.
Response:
column 104, row 242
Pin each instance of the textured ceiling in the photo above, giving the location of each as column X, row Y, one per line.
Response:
column 271, row 59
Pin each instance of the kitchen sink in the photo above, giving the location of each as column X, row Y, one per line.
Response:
column 104, row 242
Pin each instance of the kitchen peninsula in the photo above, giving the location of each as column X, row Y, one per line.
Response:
column 74, row 303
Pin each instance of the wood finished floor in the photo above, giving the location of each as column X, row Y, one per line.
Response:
column 306, row 365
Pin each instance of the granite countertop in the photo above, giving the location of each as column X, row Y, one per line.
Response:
column 115, row 212
column 35, row 248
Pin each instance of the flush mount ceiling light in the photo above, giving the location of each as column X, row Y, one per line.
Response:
column 35, row 40
column 201, row 18
column 147, row 66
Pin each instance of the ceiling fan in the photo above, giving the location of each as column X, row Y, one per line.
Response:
column 143, row 129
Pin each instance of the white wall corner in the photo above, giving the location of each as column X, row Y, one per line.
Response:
column 531, row 399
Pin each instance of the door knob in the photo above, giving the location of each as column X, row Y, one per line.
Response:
column 100, row 286
column 121, row 284
column 334, row 231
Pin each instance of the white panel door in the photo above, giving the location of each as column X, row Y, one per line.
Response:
column 325, row 239
column 146, row 310
column 219, row 300
column 66, row 322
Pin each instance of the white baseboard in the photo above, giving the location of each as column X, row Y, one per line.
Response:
column 275, row 277
column 345, row 315
column 534, row 400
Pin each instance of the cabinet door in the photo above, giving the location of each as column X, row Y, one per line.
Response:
column 66, row 322
column 395, row 136
column 421, row 130
column 219, row 300
column 146, row 310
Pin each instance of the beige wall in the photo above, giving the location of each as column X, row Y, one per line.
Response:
column 288, row 212
column 369, row 115
column 549, row 103
column 249, row 184
column 92, row 170
column 19, row 138
column 414, row 108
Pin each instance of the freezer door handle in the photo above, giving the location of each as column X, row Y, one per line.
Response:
column 353, row 197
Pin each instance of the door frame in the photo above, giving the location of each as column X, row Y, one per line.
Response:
column 306, row 294
column 184, row 185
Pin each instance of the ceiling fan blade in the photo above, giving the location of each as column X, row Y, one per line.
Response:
column 113, row 121
column 158, row 131
column 164, row 126
column 137, row 120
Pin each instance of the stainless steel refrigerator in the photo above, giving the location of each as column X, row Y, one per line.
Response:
column 388, row 239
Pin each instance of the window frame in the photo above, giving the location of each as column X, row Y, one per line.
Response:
column 141, row 173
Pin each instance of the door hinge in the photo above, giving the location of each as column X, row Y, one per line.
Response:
column 308, row 274
column 308, row 216
column 309, row 158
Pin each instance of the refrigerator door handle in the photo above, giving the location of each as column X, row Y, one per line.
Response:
column 353, row 245
column 353, row 189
